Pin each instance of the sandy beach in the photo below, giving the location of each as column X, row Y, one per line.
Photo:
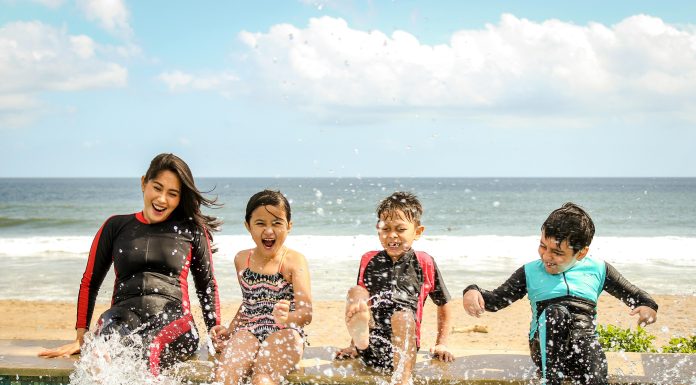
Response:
column 506, row 329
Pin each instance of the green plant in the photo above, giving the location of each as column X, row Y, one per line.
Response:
column 681, row 345
column 613, row 338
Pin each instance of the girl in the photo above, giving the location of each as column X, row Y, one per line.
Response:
column 152, row 252
column 265, row 339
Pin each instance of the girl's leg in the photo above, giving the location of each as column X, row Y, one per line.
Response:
column 404, row 345
column 279, row 354
column 237, row 358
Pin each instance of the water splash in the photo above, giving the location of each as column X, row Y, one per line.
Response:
column 115, row 360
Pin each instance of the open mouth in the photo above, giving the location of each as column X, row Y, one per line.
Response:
column 268, row 242
column 158, row 208
column 393, row 245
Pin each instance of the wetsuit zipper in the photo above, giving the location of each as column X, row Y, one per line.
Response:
column 147, row 249
column 567, row 286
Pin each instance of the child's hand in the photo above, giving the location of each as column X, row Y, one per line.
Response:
column 473, row 302
column 442, row 353
column 646, row 315
column 346, row 353
column 281, row 311
column 219, row 334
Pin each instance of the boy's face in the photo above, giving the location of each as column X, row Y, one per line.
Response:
column 558, row 257
column 396, row 233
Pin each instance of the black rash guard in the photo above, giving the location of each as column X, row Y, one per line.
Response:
column 401, row 285
column 515, row 288
column 569, row 345
column 152, row 263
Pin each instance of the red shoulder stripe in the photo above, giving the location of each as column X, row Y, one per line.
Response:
column 366, row 258
column 426, row 263
column 85, row 284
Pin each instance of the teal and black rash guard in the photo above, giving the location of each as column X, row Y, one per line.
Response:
column 575, row 291
column 151, row 263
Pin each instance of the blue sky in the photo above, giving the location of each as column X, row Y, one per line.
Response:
column 348, row 88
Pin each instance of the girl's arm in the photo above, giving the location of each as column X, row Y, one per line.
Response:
column 299, row 270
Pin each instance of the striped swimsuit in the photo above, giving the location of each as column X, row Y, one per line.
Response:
column 260, row 292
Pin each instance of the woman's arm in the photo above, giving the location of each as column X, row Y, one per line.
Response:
column 98, row 264
column 204, row 280
column 67, row 349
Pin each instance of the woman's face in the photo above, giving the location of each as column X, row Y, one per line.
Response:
column 161, row 196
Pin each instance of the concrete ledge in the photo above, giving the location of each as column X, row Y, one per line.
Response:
column 18, row 359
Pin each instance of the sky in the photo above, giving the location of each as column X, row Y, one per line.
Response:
column 323, row 88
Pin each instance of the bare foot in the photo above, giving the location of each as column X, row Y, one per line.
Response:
column 358, row 322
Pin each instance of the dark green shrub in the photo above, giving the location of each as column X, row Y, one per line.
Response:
column 681, row 345
column 614, row 339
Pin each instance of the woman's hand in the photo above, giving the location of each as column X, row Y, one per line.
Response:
column 281, row 311
column 68, row 349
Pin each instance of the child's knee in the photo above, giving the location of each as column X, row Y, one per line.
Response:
column 558, row 317
column 557, row 311
column 262, row 379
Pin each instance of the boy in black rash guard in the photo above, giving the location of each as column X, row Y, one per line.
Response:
column 153, row 252
column 563, row 287
column 392, row 287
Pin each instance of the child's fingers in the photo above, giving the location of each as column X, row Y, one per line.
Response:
column 481, row 302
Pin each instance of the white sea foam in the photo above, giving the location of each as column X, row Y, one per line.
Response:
column 447, row 249
column 51, row 267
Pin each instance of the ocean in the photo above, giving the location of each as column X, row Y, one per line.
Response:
column 478, row 229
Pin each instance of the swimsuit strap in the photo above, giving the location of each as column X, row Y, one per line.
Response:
column 282, row 259
column 251, row 252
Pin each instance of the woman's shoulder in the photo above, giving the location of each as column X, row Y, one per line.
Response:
column 118, row 219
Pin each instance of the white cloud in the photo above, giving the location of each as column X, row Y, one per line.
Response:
column 50, row 3
column 516, row 66
column 35, row 58
column 181, row 81
column 112, row 15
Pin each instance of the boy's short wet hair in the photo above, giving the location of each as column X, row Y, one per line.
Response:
column 405, row 202
column 570, row 222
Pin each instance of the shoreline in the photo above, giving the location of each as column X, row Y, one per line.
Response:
column 507, row 329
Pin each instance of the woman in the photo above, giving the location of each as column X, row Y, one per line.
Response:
column 153, row 252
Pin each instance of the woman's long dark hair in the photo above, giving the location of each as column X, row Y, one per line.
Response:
column 191, row 197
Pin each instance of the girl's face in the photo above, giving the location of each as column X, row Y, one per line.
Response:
column 268, row 228
column 161, row 196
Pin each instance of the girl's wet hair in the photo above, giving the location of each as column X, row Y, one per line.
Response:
column 267, row 198
column 570, row 222
column 405, row 202
column 191, row 198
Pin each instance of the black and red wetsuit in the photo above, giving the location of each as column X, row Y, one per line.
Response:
column 396, row 286
column 151, row 263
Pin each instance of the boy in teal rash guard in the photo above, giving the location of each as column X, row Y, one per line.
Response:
column 563, row 287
